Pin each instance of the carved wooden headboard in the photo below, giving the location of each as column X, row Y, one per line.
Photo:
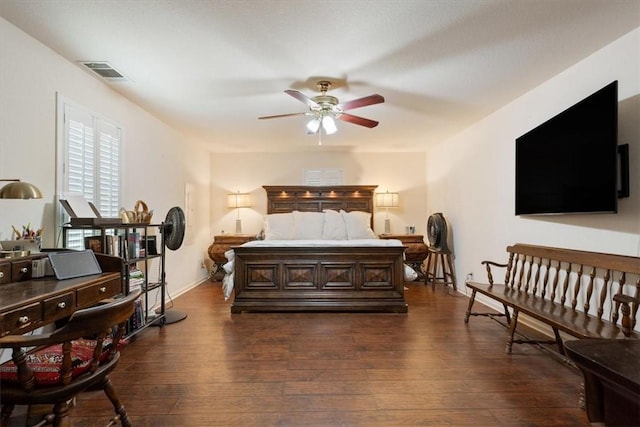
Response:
column 288, row 198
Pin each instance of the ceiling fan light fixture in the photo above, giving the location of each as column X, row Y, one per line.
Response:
column 325, row 109
column 329, row 125
column 313, row 125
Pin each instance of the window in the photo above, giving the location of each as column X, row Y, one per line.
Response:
column 89, row 163
column 325, row 177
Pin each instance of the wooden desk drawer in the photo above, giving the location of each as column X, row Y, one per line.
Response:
column 5, row 273
column 90, row 294
column 21, row 270
column 22, row 318
column 59, row 306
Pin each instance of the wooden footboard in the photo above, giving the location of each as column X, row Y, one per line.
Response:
column 346, row 279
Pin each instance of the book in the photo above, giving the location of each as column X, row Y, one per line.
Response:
column 94, row 243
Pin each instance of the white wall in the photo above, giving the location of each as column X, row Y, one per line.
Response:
column 247, row 173
column 470, row 177
column 159, row 162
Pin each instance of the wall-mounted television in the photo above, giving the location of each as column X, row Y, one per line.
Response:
column 569, row 164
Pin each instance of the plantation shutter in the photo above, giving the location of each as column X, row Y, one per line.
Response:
column 92, row 164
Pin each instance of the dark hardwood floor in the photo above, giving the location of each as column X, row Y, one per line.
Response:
column 425, row 368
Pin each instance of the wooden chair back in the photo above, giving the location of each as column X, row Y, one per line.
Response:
column 100, row 323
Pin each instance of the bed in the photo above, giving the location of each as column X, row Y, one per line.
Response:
column 300, row 272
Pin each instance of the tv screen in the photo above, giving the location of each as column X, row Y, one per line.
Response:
column 568, row 164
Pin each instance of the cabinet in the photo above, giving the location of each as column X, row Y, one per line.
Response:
column 138, row 246
column 416, row 251
column 220, row 245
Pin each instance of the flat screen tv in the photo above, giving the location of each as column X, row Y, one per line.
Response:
column 569, row 164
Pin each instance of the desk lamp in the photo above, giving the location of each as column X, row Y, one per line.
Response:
column 19, row 190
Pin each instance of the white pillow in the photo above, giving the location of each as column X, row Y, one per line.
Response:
column 358, row 225
column 409, row 273
column 309, row 225
column 279, row 226
column 334, row 226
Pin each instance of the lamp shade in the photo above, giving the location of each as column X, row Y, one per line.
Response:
column 387, row 200
column 239, row 200
column 19, row 190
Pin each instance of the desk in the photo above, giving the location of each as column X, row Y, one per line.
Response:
column 611, row 370
column 30, row 304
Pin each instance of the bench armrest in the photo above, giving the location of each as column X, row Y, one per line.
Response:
column 488, row 265
column 625, row 306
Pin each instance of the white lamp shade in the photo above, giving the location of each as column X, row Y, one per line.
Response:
column 329, row 125
column 313, row 125
column 387, row 200
column 239, row 200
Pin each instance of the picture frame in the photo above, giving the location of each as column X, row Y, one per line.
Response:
column 94, row 243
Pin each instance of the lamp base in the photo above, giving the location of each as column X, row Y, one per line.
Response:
column 387, row 226
column 238, row 226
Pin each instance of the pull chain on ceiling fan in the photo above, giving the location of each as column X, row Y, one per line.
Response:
column 325, row 109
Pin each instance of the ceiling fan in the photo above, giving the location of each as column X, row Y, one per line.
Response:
column 324, row 109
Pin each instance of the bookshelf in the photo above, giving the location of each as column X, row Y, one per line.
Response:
column 142, row 251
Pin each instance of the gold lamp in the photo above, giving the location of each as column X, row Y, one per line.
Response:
column 239, row 200
column 19, row 190
column 387, row 200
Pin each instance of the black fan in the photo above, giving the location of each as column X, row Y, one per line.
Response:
column 437, row 232
column 173, row 229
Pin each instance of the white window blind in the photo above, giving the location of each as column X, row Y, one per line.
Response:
column 326, row 177
column 91, row 164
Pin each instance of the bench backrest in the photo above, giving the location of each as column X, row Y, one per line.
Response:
column 585, row 281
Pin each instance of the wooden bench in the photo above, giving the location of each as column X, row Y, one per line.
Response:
column 575, row 292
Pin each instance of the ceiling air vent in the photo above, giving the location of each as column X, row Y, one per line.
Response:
column 104, row 70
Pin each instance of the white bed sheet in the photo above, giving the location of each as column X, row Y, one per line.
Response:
column 227, row 281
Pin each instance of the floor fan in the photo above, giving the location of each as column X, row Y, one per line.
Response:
column 173, row 229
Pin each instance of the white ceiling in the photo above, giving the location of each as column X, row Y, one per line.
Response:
column 210, row 68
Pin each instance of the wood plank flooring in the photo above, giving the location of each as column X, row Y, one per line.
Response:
column 425, row 368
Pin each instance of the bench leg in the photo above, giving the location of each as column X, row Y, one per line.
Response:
column 559, row 341
column 469, row 313
column 512, row 331
column 471, row 301
column 506, row 313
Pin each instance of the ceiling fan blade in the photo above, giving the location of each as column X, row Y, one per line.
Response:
column 361, row 102
column 302, row 98
column 356, row 120
column 282, row 115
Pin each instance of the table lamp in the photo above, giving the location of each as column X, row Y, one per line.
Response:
column 239, row 200
column 387, row 200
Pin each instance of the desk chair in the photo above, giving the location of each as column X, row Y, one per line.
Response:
column 65, row 362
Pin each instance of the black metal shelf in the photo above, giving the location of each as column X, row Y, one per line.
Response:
column 142, row 318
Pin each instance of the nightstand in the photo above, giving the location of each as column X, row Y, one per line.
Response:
column 220, row 245
column 416, row 251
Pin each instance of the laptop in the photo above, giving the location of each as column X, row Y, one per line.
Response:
column 20, row 245
column 71, row 264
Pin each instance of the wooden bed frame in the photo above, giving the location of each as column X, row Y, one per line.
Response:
column 345, row 279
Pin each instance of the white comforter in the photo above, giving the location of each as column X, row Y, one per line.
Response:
column 227, row 281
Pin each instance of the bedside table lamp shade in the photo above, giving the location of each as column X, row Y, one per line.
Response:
column 236, row 201
column 19, row 190
column 387, row 200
